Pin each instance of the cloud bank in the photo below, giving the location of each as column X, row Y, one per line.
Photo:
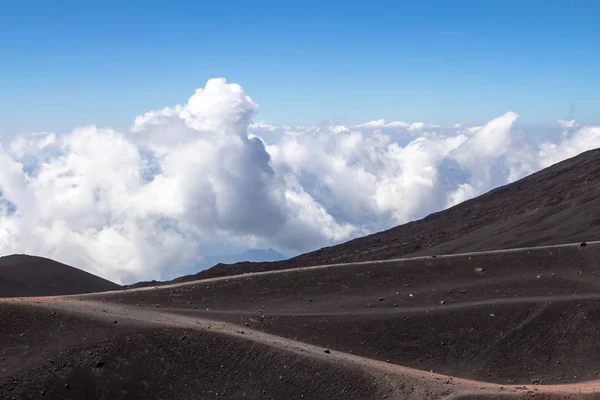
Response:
column 200, row 178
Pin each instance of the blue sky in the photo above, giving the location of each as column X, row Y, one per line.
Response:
column 71, row 63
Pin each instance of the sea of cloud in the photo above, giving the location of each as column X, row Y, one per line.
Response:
column 150, row 202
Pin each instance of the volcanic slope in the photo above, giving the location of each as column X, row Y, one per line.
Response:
column 560, row 204
column 22, row 275
column 509, row 317
column 515, row 324
column 69, row 349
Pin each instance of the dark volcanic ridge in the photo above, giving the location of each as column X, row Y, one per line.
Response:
column 23, row 275
column 560, row 204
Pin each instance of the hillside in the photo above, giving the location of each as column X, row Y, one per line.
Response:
column 506, row 318
column 98, row 355
column 560, row 204
column 514, row 324
column 22, row 275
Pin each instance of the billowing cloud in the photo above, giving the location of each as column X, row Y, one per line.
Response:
column 199, row 178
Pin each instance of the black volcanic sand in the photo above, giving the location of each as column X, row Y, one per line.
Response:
column 48, row 353
column 521, row 317
column 22, row 275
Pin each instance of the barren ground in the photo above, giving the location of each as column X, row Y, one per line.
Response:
column 510, row 324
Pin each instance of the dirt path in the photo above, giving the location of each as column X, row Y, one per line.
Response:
column 403, row 382
column 325, row 266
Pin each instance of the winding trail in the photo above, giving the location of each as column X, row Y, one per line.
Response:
column 399, row 382
column 398, row 379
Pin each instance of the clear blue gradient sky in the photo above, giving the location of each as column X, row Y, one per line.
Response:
column 70, row 63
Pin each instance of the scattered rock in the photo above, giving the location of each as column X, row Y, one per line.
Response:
column 327, row 351
column 479, row 269
column 583, row 244
column 67, row 386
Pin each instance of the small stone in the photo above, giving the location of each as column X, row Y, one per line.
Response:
column 583, row 244
column 479, row 269
column 67, row 386
column 327, row 351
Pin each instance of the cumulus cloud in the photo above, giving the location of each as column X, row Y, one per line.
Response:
column 202, row 177
column 412, row 127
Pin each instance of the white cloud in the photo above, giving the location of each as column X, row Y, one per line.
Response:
column 380, row 123
column 184, row 180
column 582, row 140
column 412, row 127
column 567, row 124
